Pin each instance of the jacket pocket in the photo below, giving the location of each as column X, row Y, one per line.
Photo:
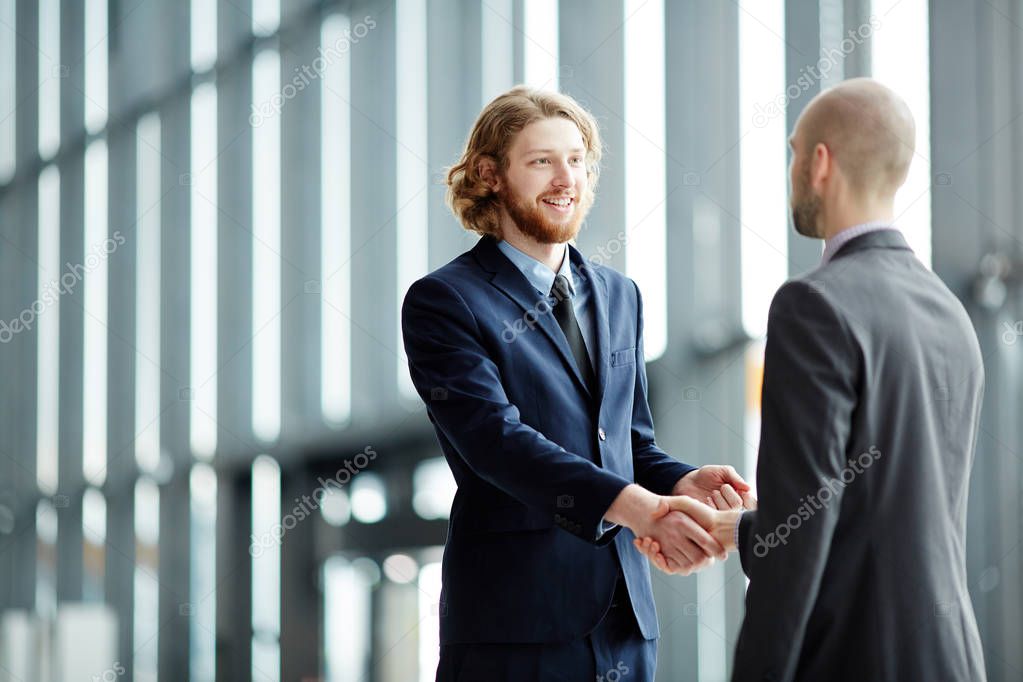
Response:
column 626, row 356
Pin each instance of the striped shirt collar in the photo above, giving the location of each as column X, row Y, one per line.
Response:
column 832, row 246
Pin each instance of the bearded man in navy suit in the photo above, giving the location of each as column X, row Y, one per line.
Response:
column 530, row 362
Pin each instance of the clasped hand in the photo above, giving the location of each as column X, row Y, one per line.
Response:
column 693, row 527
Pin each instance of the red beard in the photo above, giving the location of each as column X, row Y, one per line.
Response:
column 532, row 222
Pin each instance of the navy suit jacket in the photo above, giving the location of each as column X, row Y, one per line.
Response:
column 537, row 459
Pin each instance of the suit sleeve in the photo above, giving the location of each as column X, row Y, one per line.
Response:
column 655, row 470
column 461, row 386
column 809, row 394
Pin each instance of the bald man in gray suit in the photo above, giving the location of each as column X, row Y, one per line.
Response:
column 871, row 403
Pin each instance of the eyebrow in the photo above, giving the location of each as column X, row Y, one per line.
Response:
column 577, row 150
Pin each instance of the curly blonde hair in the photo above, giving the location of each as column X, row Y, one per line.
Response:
column 470, row 198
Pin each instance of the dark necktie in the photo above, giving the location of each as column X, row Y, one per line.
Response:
column 564, row 313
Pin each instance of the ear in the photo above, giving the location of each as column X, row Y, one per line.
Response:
column 822, row 166
column 487, row 167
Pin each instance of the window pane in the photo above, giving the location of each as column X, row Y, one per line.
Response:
column 266, row 568
column 147, row 293
column 266, row 16
column 429, row 621
column 762, row 158
column 901, row 54
column 46, row 559
column 497, row 48
column 204, row 35
column 203, row 328
column 540, row 43
column 413, row 168
column 266, row 260
column 147, row 583
column 8, row 69
column 346, row 615
column 50, row 71
column 203, row 573
column 48, row 324
column 335, row 228
column 96, row 57
column 94, row 533
column 98, row 247
column 645, row 167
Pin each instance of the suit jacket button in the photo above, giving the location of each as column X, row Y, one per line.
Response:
column 601, row 434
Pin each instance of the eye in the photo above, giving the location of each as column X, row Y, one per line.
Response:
column 576, row 160
column 542, row 161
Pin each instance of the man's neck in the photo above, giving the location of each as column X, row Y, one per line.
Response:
column 850, row 216
column 551, row 255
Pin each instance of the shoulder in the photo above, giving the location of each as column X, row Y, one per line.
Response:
column 455, row 279
column 806, row 309
column 805, row 297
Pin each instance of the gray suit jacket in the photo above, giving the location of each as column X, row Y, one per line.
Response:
column 871, row 402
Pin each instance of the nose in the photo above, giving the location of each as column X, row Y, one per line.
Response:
column 562, row 175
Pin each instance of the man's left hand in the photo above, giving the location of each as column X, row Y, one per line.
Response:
column 719, row 486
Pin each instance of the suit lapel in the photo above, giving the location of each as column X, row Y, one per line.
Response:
column 515, row 286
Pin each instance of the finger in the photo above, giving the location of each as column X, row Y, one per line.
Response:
column 733, row 498
column 663, row 507
column 684, row 552
column 649, row 549
column 678, row 565
column 701, row 560
column 696, row 533
column 701, row 513
column 720, row 502
column 735, row 479
column 649, row 544
column 748, row 501
column 662, row 563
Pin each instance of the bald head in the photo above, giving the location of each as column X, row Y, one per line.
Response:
column 868, row 129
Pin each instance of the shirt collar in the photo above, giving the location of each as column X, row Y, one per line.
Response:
column 538, row 274
column 832, row 246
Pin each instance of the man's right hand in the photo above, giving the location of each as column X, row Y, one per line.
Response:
column 719, row 524
column 685, row 546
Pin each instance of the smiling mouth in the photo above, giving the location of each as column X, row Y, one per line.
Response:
column 561, row 203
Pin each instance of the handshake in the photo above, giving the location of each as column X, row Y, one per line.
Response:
column 686, row 531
